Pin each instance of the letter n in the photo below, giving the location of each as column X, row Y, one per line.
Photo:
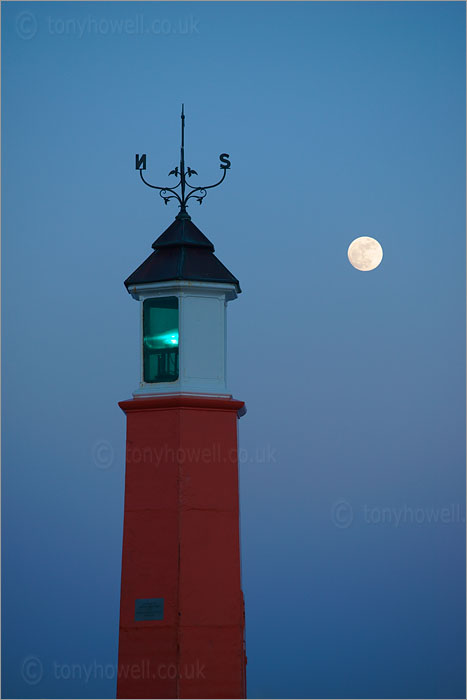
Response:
column 141, row 161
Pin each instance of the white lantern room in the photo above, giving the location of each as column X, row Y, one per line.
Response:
column 183, row 291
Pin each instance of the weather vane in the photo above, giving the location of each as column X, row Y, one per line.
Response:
column 183, row 195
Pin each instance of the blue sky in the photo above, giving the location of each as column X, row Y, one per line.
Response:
column 341, row 120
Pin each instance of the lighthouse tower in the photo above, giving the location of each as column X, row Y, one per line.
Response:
column 182, row 612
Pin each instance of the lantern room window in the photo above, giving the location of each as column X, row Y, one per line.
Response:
column 160, row 340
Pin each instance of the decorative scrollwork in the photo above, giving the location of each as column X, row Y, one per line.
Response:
column 168, row 193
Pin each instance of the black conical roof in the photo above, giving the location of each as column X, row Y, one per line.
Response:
column 182, row 252
column 182, row 232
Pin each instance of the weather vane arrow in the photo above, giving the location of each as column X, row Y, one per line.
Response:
column 183, row 194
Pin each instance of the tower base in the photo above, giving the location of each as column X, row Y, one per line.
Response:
column 182, row 611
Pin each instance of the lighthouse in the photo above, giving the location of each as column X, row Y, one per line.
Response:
column 182, row 619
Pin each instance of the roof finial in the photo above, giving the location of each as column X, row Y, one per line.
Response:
column 168, row 193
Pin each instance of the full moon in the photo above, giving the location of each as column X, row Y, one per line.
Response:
column 365, row 253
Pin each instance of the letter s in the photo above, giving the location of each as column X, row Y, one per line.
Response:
column 224, row 158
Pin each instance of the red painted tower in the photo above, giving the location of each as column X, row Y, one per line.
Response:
column 182, row 611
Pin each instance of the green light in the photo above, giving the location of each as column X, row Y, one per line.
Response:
column 160, row 339
column 169, row 338
column 163, row 340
